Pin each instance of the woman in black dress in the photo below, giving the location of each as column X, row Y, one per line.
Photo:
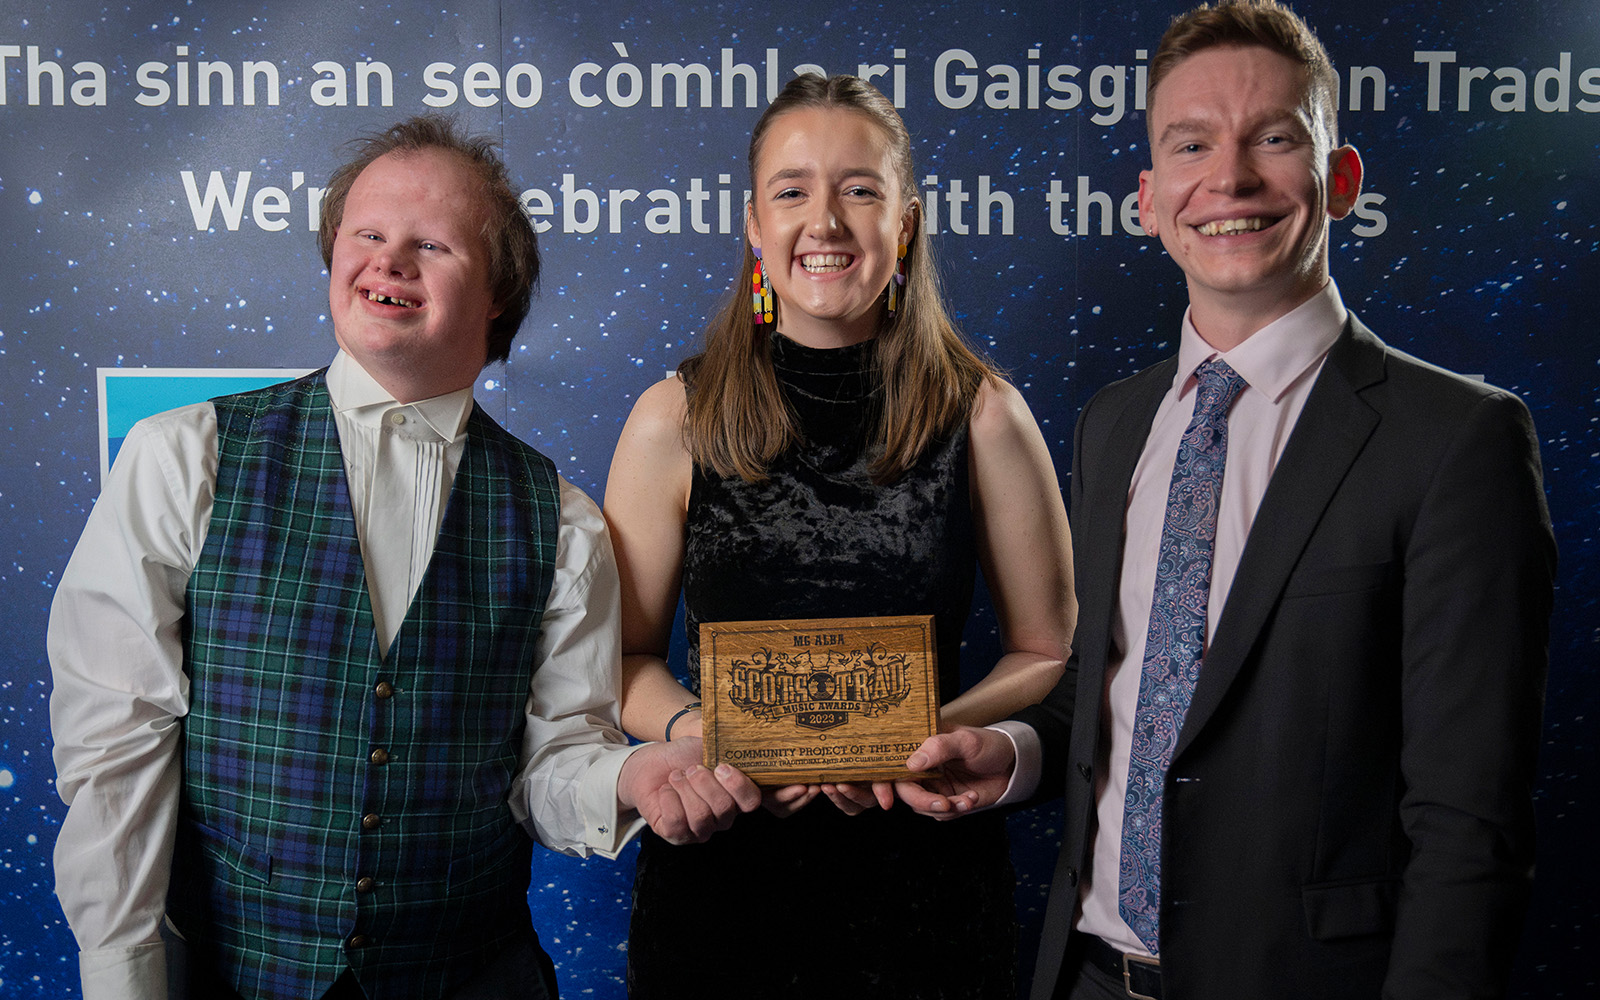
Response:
column 836, row 451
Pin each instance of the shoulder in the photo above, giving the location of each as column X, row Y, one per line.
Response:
column 1144, row 388
column 165, row 471
column 651, row 460
column 281, row 394
column 666, row 398
column 1005, row 441
column 999, row 413
column 1139, row 384
column 1404, row 385
column 178, row 438
column 177, row 422
column 657, row 418
column 523, row 462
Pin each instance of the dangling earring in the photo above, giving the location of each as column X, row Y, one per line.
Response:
column 897, row 287
column 760, row 291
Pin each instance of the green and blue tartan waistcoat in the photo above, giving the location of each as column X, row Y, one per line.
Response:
column 342, row 809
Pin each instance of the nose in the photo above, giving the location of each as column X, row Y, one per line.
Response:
column 1233, row 170
column 394, row 260
column 825, row 218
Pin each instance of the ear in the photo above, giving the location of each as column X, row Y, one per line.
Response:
column 1147, row 207
column 1344, row 181
column 909, row 221
column 752, row 229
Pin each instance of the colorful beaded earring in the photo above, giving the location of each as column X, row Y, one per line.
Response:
column 760, row 291
column 897, row 287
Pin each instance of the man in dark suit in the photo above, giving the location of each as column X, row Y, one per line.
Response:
column 1298, row 730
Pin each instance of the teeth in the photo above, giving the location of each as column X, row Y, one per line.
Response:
column 389, row 300
column 1227, row 227
column 822, row 263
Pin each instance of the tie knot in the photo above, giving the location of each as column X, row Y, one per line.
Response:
column 1219, row 384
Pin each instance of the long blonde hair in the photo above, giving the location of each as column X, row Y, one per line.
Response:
column 737, row 420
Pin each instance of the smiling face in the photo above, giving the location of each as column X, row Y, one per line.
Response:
column 1243, row 182
column 409, row 286
column 828, row 215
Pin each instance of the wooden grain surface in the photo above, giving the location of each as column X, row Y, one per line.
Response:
column 802, row 701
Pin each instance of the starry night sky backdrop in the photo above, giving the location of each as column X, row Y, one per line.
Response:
column 1475, row 249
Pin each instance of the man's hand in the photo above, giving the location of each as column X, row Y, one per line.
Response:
column 683, row 801
column 977, row 768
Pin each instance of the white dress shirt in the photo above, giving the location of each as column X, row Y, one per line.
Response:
column 117, row 659
column 1280, row 363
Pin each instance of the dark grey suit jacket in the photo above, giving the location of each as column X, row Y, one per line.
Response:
column 1348, row 812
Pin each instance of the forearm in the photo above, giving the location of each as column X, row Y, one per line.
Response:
column 652, row 698
column 112, row 869
column 1019, row 679
column 565, row 792
column 118, row 770
column 116, row 733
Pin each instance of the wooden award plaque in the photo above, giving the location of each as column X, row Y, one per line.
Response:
column 802, row 701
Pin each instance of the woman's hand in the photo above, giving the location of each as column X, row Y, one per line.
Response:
column 788, row 800
column 853, row 799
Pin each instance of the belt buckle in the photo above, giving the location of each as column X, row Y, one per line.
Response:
column 1128, row 963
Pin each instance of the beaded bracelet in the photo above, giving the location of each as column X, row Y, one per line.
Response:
column 685, row 710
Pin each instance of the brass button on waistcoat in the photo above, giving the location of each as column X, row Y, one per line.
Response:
column 371, row 821
column 379, row 756
column 384, row 690
column 365, row 884
column 357, row 941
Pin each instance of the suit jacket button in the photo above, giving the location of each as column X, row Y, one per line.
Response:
column 371, row 821
column 1072, row 877
column 365, row 884
column 384, row 690
column 357, row 941
column 1086, row 771
column 379, row 757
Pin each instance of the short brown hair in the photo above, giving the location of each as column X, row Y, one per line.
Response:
column 1266, row 23
column 513, row 247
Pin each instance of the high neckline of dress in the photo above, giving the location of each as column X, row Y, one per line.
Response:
column 796, row 358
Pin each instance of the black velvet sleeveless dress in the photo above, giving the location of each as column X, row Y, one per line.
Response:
column 824, row 905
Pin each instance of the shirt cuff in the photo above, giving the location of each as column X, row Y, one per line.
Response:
column 1030, row 761
column 135, row 973
column 606, row 828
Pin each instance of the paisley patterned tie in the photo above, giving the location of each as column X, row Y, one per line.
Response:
column 1175, row 641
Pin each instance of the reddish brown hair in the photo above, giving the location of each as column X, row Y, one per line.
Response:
column 1266, row 23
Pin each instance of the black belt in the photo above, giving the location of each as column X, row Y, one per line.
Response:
column 1140, row 974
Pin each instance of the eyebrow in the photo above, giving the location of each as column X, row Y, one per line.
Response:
column 1200, row 126
column 800, row 173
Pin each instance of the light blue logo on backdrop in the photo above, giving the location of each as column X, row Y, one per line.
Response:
column 128, row 395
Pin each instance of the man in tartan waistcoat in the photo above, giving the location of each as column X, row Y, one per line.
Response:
column 328, row 654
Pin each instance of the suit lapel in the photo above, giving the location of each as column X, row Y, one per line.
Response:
column 1105, row 494
column 1333, row 428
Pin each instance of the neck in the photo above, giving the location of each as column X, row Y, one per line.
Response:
column 1226, row 321
column 409, row 386
column 827, row 335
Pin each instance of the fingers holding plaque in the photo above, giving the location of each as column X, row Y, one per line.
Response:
column 802, row 701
